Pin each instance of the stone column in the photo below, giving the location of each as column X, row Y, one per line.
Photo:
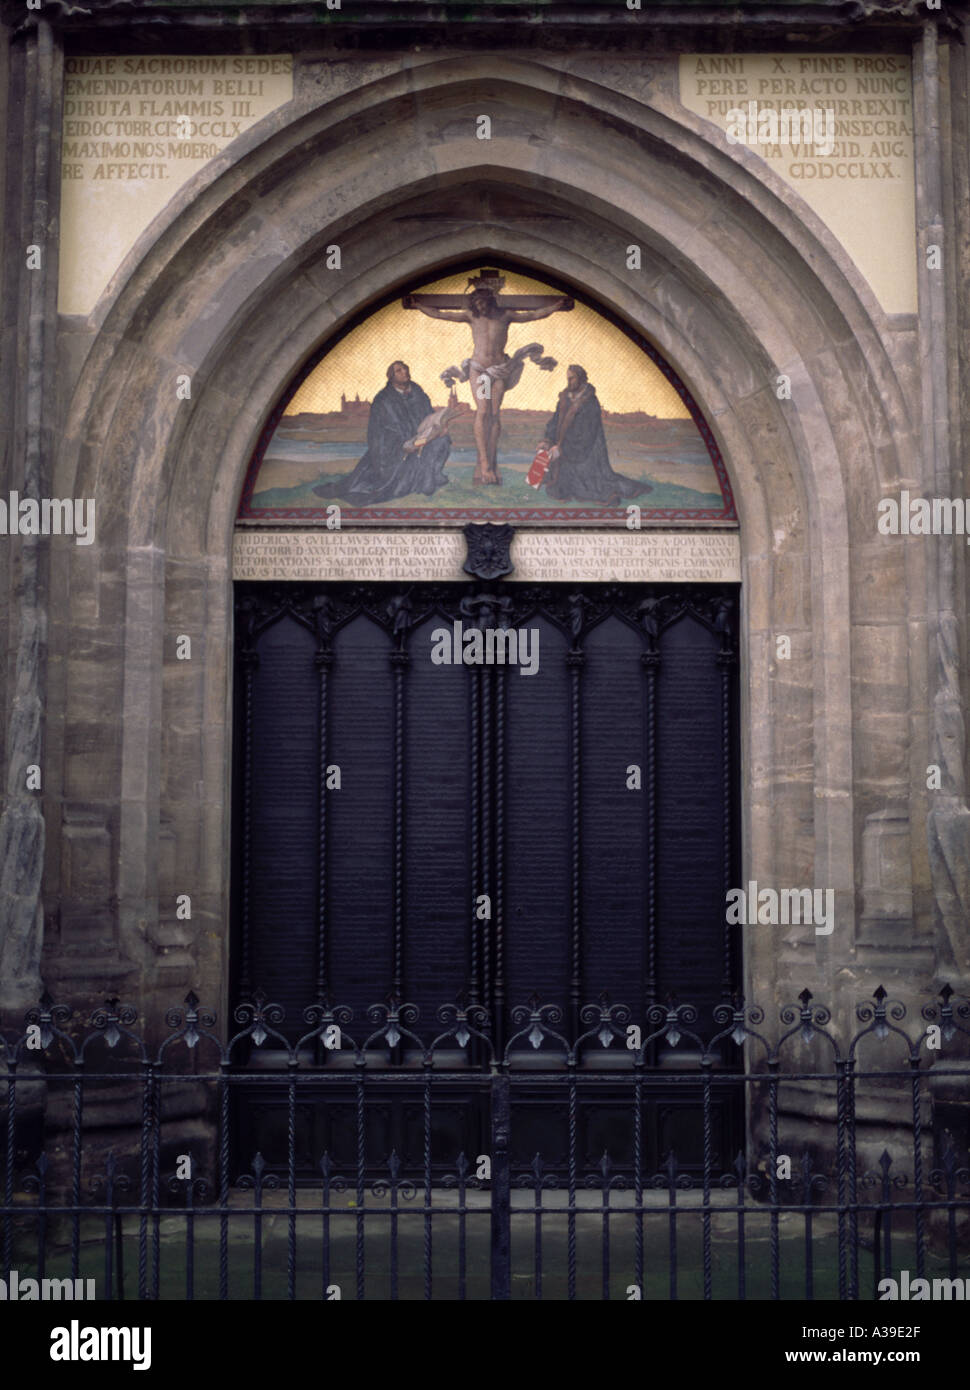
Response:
column 29, row 294
column 948, row 820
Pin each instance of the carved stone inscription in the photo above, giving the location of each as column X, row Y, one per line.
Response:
column 861, row 180
column 711, row 557
column 135, row 130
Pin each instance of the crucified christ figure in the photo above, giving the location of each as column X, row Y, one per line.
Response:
column 490, row 369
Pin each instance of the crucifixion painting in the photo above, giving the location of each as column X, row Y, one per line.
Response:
column 490, row 369
column 437, row 408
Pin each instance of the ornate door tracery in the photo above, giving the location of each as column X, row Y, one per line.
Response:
column 424, row 829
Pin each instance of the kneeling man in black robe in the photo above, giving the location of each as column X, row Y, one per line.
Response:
column 579, row 470
column 389, row 468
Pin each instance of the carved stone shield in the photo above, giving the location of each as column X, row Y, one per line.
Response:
column 488, row 550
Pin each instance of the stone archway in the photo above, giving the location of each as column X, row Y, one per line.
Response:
column 737, row 286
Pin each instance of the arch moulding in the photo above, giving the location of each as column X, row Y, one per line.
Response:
column 231, row 288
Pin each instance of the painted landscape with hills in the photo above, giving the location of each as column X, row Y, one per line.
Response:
column 308, row 449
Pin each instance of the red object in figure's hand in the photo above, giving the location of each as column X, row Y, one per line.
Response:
column 537, row 472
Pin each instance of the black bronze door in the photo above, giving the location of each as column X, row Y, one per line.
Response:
column 413, row 821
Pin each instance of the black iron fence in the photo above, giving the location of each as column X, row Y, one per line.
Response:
column 372, row 1162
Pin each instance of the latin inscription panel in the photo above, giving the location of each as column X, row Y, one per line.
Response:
column 863, row 188
column 135, row 130
column 624, row 556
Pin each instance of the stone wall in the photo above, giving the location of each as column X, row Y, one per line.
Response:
column 591, row 151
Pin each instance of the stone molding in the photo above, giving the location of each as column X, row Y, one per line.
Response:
column 737, row 286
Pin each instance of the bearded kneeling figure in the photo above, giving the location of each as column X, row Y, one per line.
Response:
column 579, row 468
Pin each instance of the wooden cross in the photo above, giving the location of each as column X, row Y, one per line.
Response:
column 487, row 280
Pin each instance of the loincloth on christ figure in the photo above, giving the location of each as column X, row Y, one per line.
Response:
column 508, row 371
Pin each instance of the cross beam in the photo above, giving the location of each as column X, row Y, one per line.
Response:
column 460, row 301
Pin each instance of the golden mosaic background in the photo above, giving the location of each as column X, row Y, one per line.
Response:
column 625, row 378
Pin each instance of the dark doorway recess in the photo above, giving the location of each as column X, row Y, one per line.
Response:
column 495, row 835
